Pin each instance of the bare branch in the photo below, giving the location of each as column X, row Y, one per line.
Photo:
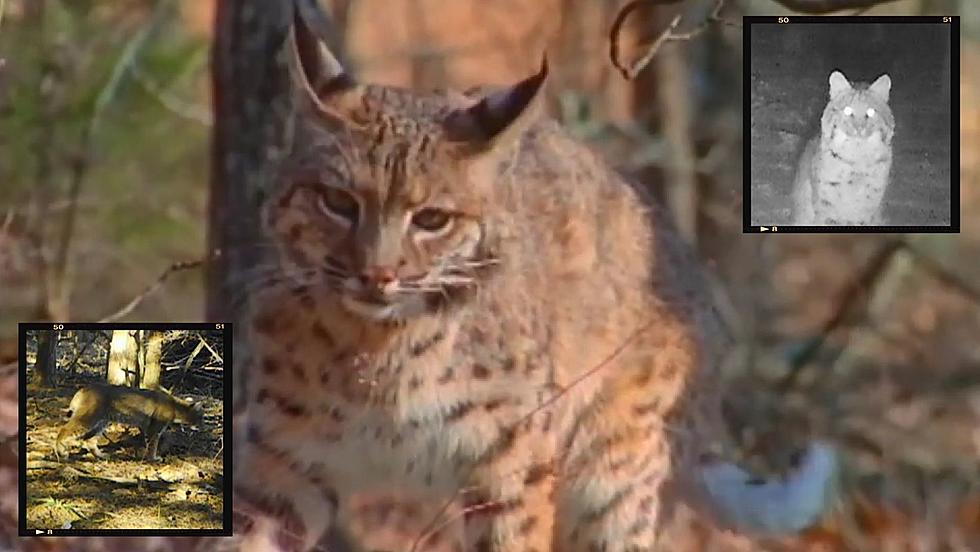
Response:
column 846, row 305
column 668, row 35
column 181, row 108
column 850, row 299
column 630, row 71
column 152, row 288
column 81, row 352
column 214, row 353
column 950, row 279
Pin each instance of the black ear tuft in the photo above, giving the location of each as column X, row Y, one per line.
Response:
column 498, row 111
column 319, row 70
column 501, row 116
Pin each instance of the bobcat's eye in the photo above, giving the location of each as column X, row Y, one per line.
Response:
column 848, row 111
column 871, row 112
column 431, row 220
column 338, row 204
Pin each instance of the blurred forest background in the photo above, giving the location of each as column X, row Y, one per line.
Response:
column 870, row 341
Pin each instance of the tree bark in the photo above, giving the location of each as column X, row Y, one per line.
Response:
column 252, row 106
column 47, row 357
column 122, row 358
column 151, row 360
column 252, row 95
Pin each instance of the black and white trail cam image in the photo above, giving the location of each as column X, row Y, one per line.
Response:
column 843, row 172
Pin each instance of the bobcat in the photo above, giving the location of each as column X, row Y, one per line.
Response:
column 94, row 406
column 843, row 172
column 468, row 306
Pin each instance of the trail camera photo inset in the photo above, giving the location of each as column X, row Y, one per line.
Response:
column 852, row 124
column 123, row 429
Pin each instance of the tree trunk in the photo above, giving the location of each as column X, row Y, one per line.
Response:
column 47, row 358
column 122, row 358
column 151, row 360
column 253, row 102
column 253, row 107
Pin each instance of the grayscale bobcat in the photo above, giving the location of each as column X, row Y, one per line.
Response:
column 94, row 406
column 468, row 306
column 844, row 170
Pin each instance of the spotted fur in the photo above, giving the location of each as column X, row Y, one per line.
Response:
column 468, row 308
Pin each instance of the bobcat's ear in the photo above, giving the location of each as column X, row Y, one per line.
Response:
column 838, row 84
column 500, row 117
column 881, row 87
column 323, row 81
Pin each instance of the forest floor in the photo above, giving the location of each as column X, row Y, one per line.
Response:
column 181, row 491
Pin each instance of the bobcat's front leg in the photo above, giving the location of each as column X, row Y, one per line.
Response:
column 613, row 502
column 151, row 439
column 288, row 508
column 513, row 517
column 514, row 509
column 92, row 446
column 618, row 456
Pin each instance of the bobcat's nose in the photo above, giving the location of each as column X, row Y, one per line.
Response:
column 378, row 277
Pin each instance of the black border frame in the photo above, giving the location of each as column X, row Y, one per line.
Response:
column 954, row 158
column 227, row 351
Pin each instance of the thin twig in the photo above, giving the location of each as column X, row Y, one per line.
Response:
column 126, row 61
column 954, row 281
column 865, row 282
column 190, row 359
column 81, row 352
column 469, row 510
column 668, row 35
column 177, row 106
column 845, row 307
column 152, row 288
column 213, row 352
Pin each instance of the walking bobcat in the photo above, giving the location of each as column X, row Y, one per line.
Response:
column 469, row 306
column 843, row 172
column 94, row 406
